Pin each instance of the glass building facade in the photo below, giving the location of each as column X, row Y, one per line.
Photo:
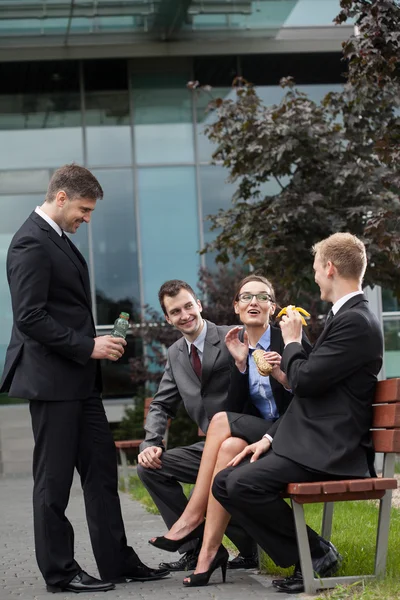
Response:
column 133, row 122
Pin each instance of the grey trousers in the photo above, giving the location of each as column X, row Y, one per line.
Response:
column 181, row 465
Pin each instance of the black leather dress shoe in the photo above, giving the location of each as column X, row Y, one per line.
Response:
column 142, row 572
column 187, row 562
column 82, row 582
column 324, row 566
column 244, row 562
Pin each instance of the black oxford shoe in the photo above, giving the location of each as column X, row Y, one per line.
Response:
column 142, row 572
column 187, row 562
column 82, row 582
column 324, row 566
column 244, row 562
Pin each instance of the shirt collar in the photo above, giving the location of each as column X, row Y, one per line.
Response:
column 265, row 340
column 339, row 303
column 201, row 338
column 49, row 220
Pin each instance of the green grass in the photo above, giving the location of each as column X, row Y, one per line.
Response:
column 353, row 533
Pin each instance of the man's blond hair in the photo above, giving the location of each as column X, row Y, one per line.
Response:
column 346, row 252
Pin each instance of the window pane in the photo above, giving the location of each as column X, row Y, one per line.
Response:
column 313, row 13
column 169, row 226
column 163, row 118
column 14, row 210
column 391, row 329
column 107, row 117
column 216, row 193
column 40, row 118
column 114, row 247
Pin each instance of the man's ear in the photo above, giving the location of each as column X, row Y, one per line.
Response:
column 330, row 269
column 199, row 305
column 61, row 198
column 167, row 319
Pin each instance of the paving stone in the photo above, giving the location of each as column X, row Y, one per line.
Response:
column 20, row 578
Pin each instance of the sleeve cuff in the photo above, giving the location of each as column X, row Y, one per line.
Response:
column 266, row 435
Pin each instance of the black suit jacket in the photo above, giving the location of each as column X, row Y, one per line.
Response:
column 326, row 427
column 239, row 391
column 52, row 338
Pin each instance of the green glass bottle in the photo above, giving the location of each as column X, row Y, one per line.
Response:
column 121, row 326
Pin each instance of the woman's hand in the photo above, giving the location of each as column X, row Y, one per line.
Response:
column 256, row 449
column 238, row 349
column 274, row 359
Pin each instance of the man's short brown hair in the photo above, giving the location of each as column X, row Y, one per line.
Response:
column 76, row 182
column 172, row 288
column 346, row 252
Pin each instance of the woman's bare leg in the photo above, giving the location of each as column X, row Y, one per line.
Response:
column 217, row 517
column 219, row 430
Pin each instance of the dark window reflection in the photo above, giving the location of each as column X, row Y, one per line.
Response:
column 268, row 69
column 107, row 116
column 40, row 116
column 117, row 382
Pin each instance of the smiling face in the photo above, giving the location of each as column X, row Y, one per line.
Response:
column 255, row 313
column 323, row 277
column 183, row 311
column 71, row 213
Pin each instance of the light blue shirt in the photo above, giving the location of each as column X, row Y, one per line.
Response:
column 260, row 388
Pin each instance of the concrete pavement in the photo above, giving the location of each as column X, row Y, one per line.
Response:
column 20, row 578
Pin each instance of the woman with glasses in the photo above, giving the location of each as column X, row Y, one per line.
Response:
column 265, row 399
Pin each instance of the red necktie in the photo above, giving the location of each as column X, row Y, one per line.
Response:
column 195, row 360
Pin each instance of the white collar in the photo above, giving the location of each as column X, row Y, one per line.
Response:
column 49, row 220
column 339, row 303
column 201, row 338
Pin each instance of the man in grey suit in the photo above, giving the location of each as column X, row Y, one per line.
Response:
column 197, row 373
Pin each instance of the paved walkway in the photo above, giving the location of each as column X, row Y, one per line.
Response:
column 20, row 578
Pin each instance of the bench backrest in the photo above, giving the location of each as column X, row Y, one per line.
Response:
column 386, row 416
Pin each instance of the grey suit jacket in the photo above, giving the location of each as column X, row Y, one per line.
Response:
column 202, row 399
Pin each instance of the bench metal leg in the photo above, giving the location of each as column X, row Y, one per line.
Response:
column 327, row 516
column 124, row 465
column 310, row 586
column 385, row 505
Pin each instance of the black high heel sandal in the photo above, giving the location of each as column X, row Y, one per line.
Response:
column 164, row 543
column 219, row 560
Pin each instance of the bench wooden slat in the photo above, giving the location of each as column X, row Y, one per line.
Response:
column 347, row 496
column 386, row 440
column 128, row 443
column 304, row 488
column 386, row 415
column 387, row 391
column 385, row 483
column 340, row 487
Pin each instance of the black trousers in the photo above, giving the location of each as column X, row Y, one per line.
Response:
column 250, row 492
column 73, row 434
column 182, row 465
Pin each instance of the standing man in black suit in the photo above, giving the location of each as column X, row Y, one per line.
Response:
column 53, row 361
column 324, row 434
column 197, row 373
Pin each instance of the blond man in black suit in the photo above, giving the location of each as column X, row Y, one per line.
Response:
column 324, row 434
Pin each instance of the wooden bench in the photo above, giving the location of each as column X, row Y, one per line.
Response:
column 124, row 445
column 386, row 439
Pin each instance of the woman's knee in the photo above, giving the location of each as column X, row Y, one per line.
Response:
column 232, row 446
column 219, row 421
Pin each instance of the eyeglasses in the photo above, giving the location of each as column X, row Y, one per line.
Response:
column 246, row 297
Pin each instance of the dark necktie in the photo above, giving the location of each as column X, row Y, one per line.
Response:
column 329, row 318
column 195, row 360
column 73, row 248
